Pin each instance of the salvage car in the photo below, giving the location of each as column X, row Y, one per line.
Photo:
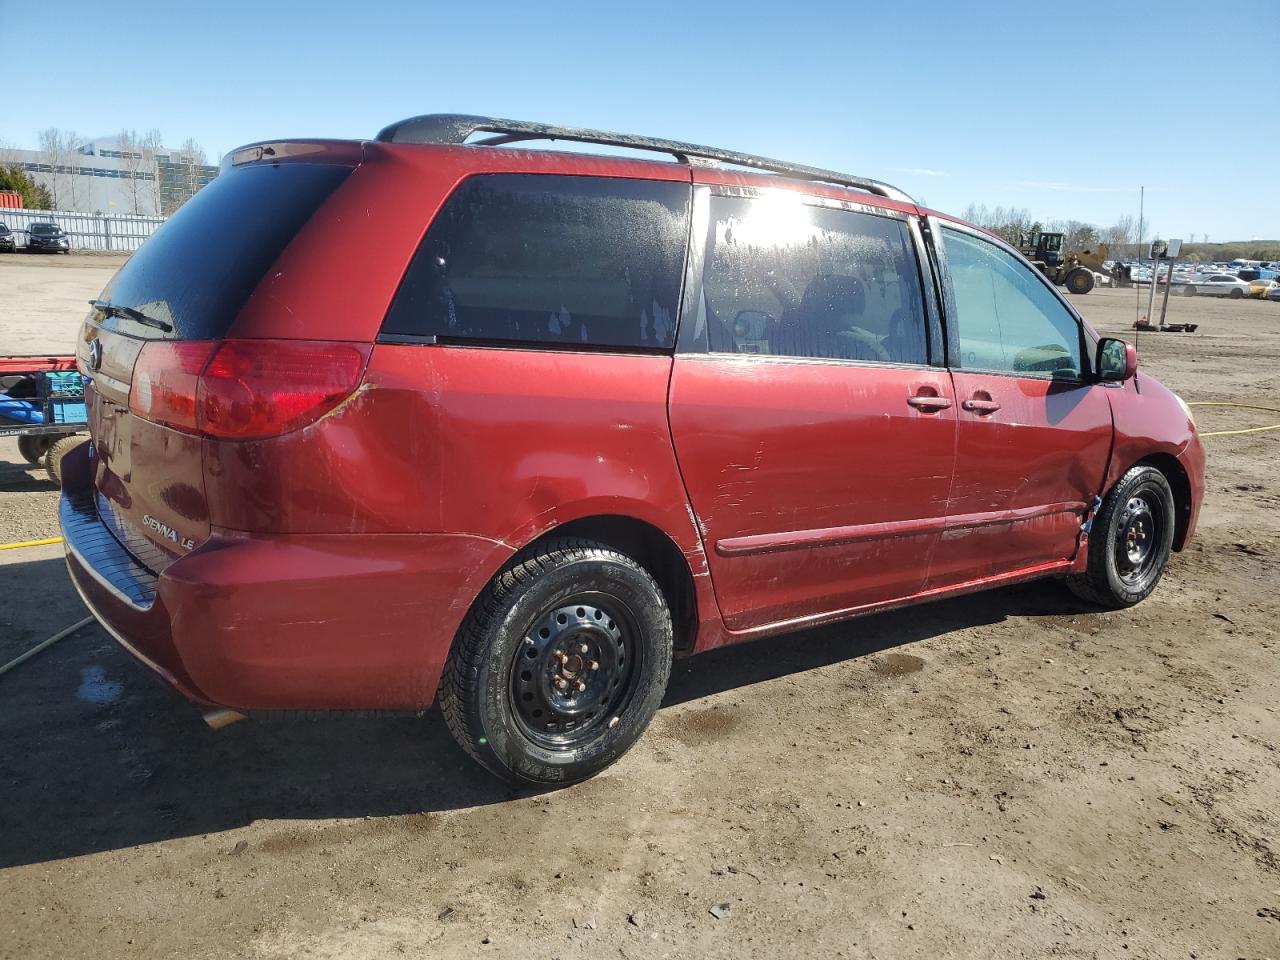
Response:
column 568, row 416
column 1261, row 289
column 1218, row 285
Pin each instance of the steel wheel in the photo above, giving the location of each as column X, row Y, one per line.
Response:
column 1138, row 535
column 574, row 671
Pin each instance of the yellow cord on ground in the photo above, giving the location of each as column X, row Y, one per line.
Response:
column 1244, row 406
column 30, row 543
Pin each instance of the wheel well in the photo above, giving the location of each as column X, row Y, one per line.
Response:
column 653, row 550
column 1181, row 486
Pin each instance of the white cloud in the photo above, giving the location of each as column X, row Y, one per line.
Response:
column 921, row 171
column 1062, row 187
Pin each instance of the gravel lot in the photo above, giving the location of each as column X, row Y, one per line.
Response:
column 1006, row 775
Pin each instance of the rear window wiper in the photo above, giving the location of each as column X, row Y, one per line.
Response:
column 115, row 310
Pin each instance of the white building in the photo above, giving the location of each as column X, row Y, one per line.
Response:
column 104, row 178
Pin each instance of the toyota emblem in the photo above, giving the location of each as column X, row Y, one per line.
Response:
column 95, row 354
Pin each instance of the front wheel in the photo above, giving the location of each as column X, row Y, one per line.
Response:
column 1131, row 541
column 1079, row 281
column 1188, row 291
column 560, row 664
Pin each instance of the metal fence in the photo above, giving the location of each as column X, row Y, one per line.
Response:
column 86, row 231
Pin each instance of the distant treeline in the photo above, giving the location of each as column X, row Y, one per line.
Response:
column 1121, row 238
column 1234, row 250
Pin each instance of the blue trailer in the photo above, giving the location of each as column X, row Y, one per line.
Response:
column 42, row 404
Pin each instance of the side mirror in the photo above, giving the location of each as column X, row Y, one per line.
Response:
column 1117, row 360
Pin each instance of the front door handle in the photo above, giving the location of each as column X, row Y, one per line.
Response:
column 981, row 406
column 929, row 404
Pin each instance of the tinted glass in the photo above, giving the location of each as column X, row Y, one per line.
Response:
column 786, row 278
column 527, row 258
column 197, row 270
column 45, row 229
column 1008, row 319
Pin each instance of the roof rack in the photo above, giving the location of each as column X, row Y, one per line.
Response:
column 456, row 128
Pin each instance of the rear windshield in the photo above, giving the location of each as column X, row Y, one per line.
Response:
column 198, row 269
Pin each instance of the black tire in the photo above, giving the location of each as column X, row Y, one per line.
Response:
column 1131, row 541
column 1189, row 291
column 33, row 447
column 1079, row 281
column 53, row 457
column 1236, row 294
column 524, row 636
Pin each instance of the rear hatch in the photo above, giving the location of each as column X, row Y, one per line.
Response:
column 159, row 325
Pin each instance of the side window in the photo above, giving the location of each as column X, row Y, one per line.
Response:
column 785, row 278
column 529, row 258
column 1007, row 319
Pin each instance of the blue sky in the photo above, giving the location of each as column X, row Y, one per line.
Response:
column 1017, row 104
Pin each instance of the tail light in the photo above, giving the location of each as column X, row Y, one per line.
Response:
column 243, row 389
column 166, row 378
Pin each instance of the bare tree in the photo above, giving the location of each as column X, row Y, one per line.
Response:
column 77, row 186
column 152, row 144
column 52, row 154
column 192, row 158
column 135, row 167
column 60, row 150
column 1120, row 235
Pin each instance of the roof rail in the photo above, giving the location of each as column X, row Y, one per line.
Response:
column 455, row 128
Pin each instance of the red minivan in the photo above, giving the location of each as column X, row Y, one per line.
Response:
column 431, row 417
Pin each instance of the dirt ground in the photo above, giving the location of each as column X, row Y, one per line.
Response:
column 43, row 309
column 1006, row 775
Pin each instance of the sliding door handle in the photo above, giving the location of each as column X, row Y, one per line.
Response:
column 981, row 406
column 929, row 404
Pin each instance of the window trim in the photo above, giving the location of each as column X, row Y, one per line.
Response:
column 951, row 319
column 690, row 342
column 387, row 338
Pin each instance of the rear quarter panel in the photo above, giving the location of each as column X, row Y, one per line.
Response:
column 503, row 444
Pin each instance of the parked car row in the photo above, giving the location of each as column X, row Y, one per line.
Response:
column 1218, row 280
column 43, row 236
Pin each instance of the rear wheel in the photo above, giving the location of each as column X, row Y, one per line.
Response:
column 1188, row 291
column 560, row 664
column 33, row 447
column 1079, row 281
column 1131, row 541
column 1236, row 293
column 53, row 457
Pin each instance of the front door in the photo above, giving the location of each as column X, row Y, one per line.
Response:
column 815, row 439
column 1034, row 434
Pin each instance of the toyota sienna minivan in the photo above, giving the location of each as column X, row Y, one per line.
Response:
column 507, row 429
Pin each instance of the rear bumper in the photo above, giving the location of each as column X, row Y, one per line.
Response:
column 317, row 622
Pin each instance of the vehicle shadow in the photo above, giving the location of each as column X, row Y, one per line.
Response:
column 96, row 754
column 17, row 477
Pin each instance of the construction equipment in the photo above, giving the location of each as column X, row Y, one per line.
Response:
column 1071, row 270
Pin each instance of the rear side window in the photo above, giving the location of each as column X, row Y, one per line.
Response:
column 525, row 258
column 198, row 269
column 786, row 278
column 1008, row 320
